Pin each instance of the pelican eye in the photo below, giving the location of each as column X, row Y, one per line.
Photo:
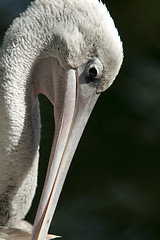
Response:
column 94, row 69
column 93, row 72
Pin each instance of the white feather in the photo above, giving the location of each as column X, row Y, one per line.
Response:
column 70, row 30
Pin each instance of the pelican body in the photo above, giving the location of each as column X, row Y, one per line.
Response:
column 70, row 51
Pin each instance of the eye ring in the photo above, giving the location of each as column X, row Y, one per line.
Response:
column 93, row 71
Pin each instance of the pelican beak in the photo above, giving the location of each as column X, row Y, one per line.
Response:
column 73, row 101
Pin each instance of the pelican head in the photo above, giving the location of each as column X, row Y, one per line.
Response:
column 69, row 51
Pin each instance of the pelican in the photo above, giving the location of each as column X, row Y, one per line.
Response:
column 70, row 51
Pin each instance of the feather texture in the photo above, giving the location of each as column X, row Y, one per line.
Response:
column 72, row 31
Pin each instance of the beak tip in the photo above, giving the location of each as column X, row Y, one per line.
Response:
column 49, row 237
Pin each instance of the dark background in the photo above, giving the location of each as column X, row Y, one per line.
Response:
column 112, row 191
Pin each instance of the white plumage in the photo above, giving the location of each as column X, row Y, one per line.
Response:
column 49, row 35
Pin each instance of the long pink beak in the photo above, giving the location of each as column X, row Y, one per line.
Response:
column 73, row 101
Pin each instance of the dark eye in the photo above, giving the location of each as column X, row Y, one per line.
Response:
column 93, row 72
column 94, row 69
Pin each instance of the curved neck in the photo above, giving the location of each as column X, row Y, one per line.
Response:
column 19, row 122
column 25, row 44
